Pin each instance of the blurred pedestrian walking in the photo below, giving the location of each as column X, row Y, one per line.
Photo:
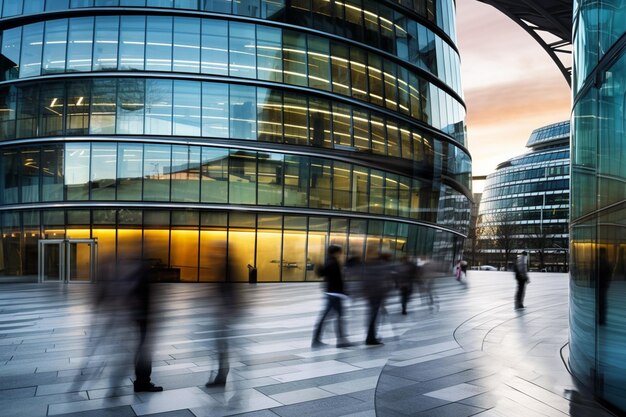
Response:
column 521, row 275
column 335, row 295
column 406, row 273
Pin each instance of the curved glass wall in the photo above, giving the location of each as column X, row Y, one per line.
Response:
column 253, row 131
column 222, row 48
column 525, row 203
column 362, row 20
column 176, row 173
column 598, row 206
column 165, row 107
column 284, row 247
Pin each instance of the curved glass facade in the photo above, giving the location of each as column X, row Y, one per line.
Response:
column 525, row 203
column 598, row 200
column 173, row 126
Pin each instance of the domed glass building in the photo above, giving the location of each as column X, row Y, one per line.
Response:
column 253, row 133
column 525, row 204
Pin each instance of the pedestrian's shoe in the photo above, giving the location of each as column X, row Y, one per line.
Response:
column 373, row 342
column 519, row 307
column 316, row 343
column 147, row 387
column 219, row 381
column 344, row 344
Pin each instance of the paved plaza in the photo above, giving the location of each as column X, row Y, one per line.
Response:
column 469, row 354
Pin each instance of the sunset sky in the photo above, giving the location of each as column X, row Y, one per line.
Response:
column 510, row 83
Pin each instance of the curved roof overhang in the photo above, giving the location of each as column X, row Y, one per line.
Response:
column 549, row 22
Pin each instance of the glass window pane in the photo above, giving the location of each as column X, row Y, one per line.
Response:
column 30, row 163
column 215, row 110
column 187, row 99
column 342, row 124
column 52, row 102
column 159, row 43
column 246, row 7
column 10, row 176
column 156, row 181
column 214, row 50
column 55, row 41
column 378, row 136
column 186, row 44
column 320, row 184
column 77, row 169
column 103, row 107
column 158, row 107
column 242, row 45
column 77, row 122
column 214, row 175
column 361, row 129
column 319, row 123
column 358, row 74
column 80, row 42
column 52, row 177
column 32, row 40
column 296, row 181
column 295, row 114
column 27, row 111
column 342, row 189
column 11, row 48
column 242, row 112
column 360, row 182
column 185, row 173
column 377, row 187
column 242, row 177
column 269, row 53
column 130, row 106
column 270, row 179
column 34, row 6
column 106, row 41
column 319, row 63
column 8, row 107
column 270, row 115
column 103, row 170
column 375, row 75
column 294, row 58
column 184, row 246
column 132, row 42
column 340, row 69
column 129, row 171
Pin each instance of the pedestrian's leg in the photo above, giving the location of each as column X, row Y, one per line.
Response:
column 374, row 304
column 317, row 334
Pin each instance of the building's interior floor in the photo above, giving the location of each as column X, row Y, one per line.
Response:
column 470, row 354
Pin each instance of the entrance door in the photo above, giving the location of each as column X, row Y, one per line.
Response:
column 67, row 260
column 51, row 260
column 80, row 260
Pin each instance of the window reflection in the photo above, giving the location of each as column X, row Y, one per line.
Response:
column 160, row 107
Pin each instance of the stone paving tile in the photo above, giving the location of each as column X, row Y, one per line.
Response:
column 49, row 341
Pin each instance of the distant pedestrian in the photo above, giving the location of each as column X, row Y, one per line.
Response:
column 521, row 275
column 335, row 294
column 406, row 273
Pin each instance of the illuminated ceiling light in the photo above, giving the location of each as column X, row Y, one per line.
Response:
column 53, row 102
column 80, row 101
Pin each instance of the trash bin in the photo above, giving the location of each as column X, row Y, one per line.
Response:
column 251, row 274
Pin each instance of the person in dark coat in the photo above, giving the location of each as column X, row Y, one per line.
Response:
column 521, row 275
column 376, row 283
column 335, row 294
column 141, row 308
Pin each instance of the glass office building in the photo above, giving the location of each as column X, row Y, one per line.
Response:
column 525, row 203
column 259, row 130
column 598, row 200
